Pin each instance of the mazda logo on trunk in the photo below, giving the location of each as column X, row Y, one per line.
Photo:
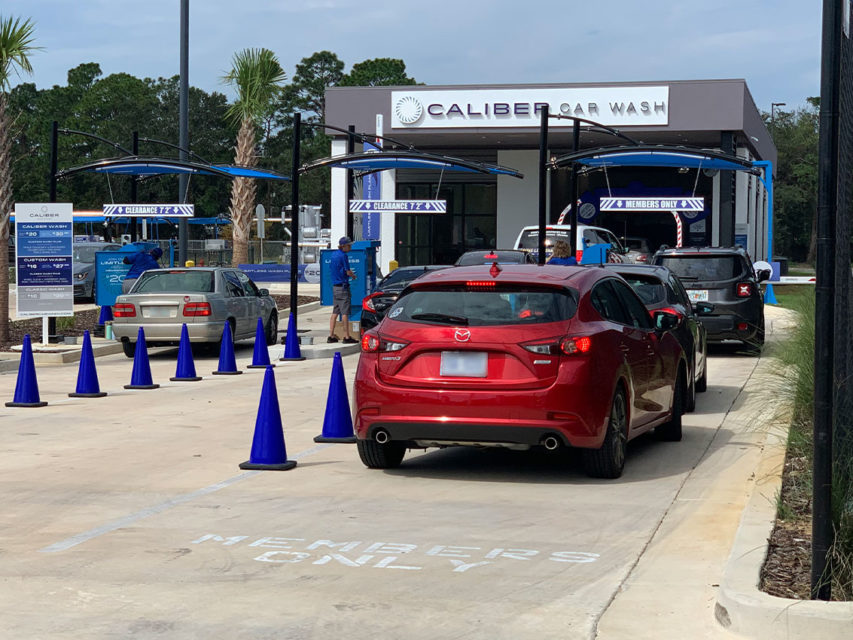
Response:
column 462, row 335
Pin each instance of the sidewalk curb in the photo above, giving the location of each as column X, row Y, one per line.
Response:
column 741, row 606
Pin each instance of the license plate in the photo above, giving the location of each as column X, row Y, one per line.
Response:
column 159, row 312
column 464, row 364
column 698, row 295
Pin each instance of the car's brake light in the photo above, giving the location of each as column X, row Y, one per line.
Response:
column 571, row 346
column 642, row 258
column 192, row 309
column 491, row 256
column 544, row 347
column 367, row 303
column 480, row 285
column 743, row 289
column 124, row 310
column 579, row 255
column 371, row 343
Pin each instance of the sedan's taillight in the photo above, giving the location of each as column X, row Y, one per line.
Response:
column 571, row 346
column 124, row 310
column 192, row 309
column 743, row 289
column 367, row 303
column 557, row 346
column 371, row 343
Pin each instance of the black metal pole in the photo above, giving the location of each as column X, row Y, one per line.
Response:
column 133, row 187
column 576, row 142
column 54, row 161
column 824, row 298
column 183, row 126
column 294, row 217
column 543, row 179
column 350, row 186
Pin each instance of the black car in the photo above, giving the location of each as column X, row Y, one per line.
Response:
column 374, row 306
column 488, row 256
column 725, row 277
column 661, row 290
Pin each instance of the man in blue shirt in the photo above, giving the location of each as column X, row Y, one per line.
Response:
column 140, row 262
column 341, row 276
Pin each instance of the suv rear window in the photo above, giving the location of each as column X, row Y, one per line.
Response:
column 503, row 306
column 487, row 257
column 175, row 282
column 704, row 268
column 530, row 238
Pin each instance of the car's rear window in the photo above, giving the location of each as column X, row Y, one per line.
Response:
column 705, row 268
column 487, row 257
column 650, row 290
column 399, row 276
column 530, row 238
column 178, row 281
column 505, row 306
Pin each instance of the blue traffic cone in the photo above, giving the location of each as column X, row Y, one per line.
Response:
column 106, row 314
column 268, row 450
column 291, row 345
column 141, row 376
column 27, row 387
column 261, row 356
column 769, row 295
column 337, row 423
column 87, row 376
column 227, row 362
column 185, row 371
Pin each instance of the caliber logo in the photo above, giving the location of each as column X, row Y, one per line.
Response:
column 409, row 110
column 462, row 335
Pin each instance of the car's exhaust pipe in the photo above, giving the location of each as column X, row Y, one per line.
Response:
column 551, row 443
column 381, row 436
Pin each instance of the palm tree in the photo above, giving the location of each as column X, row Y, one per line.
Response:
column 258, row 77
column 16, row 40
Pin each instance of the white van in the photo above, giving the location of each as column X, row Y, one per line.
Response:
column 528, row 239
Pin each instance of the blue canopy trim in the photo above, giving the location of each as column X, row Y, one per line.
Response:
column 147, row 167
column 379, row 161
column 655, row 156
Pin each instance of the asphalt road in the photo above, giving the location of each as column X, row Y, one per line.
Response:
column 128, row 517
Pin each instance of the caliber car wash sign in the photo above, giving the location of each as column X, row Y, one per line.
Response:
column 458, row 108
column 398, row 206
column 686, row 205
column 43, row 255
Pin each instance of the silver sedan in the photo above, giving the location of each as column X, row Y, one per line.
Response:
column 162, row 300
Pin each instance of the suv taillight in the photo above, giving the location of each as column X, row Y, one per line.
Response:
column 192, row 309
column 124, row 310
column 743, row 289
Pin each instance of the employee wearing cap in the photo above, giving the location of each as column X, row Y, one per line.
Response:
column 341, row 276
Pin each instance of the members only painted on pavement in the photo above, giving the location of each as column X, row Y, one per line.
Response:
column 695, row 204
column 389, row 555
column 398, row 206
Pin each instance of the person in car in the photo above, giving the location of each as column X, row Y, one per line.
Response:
column 562, row 254
column 140, row 262
column 341, row 276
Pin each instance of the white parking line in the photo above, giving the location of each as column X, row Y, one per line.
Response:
column 85, row 536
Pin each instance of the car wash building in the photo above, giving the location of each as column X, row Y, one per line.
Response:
column 500, row 125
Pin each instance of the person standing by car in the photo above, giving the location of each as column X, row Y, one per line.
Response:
column 341, row 276
column 140, row 262
column 562, row 254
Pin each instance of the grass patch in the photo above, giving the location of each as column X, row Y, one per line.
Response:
column 794, row 296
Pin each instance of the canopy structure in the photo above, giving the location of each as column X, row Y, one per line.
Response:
column 139, row 166
column 655, row 156
column 380, row 160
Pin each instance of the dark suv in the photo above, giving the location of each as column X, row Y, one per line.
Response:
column 723, row 276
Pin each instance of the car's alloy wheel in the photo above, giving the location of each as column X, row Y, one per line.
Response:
column 754, row 346
column 702, row 382
column 129, row 348
column 271, row 330
column 381, row 456
column 670, row 431
column 609, row 460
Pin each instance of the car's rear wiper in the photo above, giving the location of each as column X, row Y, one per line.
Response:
column 440, row 317
column 692, row 278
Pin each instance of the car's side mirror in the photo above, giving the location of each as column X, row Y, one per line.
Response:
column 665, row 321
column 763, row 275
column 703, row 308
column 263, row 293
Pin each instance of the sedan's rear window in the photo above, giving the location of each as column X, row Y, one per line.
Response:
column 504, row 306
column 705, row 268
column 650, row 290
column 487, row 257
column 175, row 282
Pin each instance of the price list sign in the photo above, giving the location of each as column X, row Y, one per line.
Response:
column 43, row 257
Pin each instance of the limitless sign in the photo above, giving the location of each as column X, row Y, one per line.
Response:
column 692, row 204
column 150, row 210
column 398, row 206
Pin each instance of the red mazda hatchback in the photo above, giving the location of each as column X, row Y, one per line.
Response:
column 519, row 356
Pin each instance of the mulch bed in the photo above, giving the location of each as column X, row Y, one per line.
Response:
column 86, row 319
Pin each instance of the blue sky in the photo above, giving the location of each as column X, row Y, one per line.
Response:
column 773, row 44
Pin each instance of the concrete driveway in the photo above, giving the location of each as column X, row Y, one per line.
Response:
column 127, row 516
